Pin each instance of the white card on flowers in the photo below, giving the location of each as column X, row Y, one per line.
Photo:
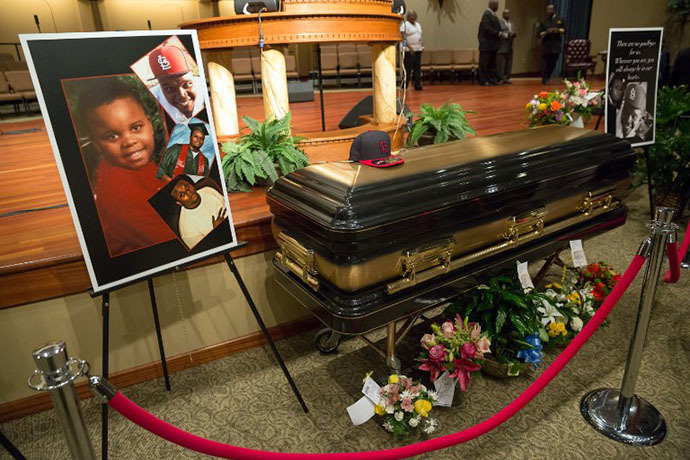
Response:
column 523, row 275
column 372, row 390
column 361, row 411
column 578, row 253
column 445, row 390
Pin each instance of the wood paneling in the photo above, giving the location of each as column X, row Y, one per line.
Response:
column 303, row 22
column 39, row 254
column 41, row 401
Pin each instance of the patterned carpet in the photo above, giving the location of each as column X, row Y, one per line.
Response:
column 244, row 400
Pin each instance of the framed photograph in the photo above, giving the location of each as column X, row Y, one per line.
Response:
column 126, row 113
column 632, row 77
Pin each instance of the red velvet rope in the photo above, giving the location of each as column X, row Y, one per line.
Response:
column 674, row 258
column 173, row 434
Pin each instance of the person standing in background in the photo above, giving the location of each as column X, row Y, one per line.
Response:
column 489, row 40
column 504, row 58
column 411, row 32
column 551, row 30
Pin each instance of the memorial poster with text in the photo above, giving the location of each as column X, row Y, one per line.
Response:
column 128, row 118
column 632, row 76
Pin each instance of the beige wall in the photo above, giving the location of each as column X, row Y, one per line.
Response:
column 211, row 310
column 608, row 14
column 456, row 24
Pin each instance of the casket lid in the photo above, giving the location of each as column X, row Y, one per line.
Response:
column 350, row 196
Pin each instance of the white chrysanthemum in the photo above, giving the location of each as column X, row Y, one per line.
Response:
column 432, row 395
column 390, row 409
column 430, row 426
column 576, row 324
column 388, row 426
column 405, row 394
column 414, row 421
column 399, row 416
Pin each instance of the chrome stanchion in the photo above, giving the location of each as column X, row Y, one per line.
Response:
column 622, row 415
column 56, row 373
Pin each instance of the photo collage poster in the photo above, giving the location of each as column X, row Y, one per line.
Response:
column 130, row 124
column 632, row 76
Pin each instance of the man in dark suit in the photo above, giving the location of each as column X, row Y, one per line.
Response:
column 550, row 30
column 489, row 40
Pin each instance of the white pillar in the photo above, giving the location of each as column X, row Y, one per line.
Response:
column 274, row 83
column 223, row 100
column 383, row 71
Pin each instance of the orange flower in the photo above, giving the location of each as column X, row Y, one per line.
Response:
column 555, row 105
column 544, row 94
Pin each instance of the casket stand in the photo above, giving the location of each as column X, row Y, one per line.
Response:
column 363, row 248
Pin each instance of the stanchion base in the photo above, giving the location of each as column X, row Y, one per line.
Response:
column 644, row 425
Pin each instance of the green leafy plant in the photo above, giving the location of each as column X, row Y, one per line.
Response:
column 448, row 122
column 505, row 313
column 670, row 154
column 268, row 152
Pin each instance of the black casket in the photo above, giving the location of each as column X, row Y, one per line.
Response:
column 362, row 246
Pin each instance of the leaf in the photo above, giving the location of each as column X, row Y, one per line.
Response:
column 500, row 320
column 519, row 324
column 251, row 123
column 514, row 298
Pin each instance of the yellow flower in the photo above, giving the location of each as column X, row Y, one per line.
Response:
column 422, row 407
column 554, row 285
column 379, row 409
column 557, row 328
column 393, row 379
column 574, row 297
column 528, row 106
column 541, row 106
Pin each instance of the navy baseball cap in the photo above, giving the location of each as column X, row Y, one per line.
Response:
column 370, row 146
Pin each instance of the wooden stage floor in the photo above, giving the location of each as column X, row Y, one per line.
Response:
column 39, row 252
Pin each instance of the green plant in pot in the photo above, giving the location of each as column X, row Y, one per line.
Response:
column 669, row 156
column 436, row 126
column 509, row 318
column 268, row 152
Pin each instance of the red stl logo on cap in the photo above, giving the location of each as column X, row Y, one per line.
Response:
column 168, row 61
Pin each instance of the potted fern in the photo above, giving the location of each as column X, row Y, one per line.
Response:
column 268, row 152
column 432, row 125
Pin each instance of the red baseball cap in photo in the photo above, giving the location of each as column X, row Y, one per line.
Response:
column 168, row 61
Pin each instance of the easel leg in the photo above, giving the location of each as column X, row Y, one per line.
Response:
column 269, row 339
column 105, row 312
column 9, row 447
column 159, row 335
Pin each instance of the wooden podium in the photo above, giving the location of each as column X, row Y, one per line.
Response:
column 310, row 21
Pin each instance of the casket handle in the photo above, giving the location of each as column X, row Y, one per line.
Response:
column 423, row 263
column 298, row 259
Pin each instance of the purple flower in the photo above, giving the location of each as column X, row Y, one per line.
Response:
column 558, row 115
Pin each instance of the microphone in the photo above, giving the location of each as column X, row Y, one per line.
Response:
column 399, row 7
column 38, row 24
column 255, row 6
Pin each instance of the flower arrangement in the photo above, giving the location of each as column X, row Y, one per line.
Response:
column 602, row 277
column 405, row 406
column 577, row 98
column 546, row 108
column 564, row 309
column 562, row 107
column 457, row 347
column 508, row 316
